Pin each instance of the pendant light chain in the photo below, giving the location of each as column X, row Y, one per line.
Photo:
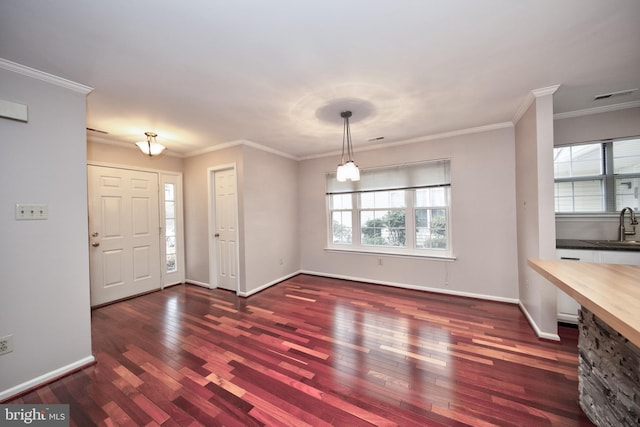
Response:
column 347, row 171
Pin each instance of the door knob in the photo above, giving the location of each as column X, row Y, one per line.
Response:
column 216, row 235
column 95, row 244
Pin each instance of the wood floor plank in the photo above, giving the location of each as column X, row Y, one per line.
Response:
column 317, row 351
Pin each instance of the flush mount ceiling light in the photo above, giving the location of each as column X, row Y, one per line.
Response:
column 150, row 147
column 347, row 171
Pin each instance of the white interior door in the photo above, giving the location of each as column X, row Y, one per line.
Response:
column 225, row 230
column 124, row 233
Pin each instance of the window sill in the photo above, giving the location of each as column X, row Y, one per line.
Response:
column 374, row 252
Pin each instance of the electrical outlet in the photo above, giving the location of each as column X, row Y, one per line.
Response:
column 6, row 344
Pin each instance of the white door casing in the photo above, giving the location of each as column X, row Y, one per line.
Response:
column 124, row 233
column 224, row 236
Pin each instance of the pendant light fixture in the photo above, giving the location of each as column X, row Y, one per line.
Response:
column 347, row 171
column 150, row 147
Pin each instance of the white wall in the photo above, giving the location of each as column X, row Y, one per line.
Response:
column 196, row 210
column 271, row 218
column 535, row 212
column 483, row 219
column 594, row 127
column 267, row 216
column 44, row 265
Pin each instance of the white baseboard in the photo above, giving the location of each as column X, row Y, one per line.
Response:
column 267, row 285
column 45, row 378
column 569, row 318
column 195, row 282
column 534, row 325
column 415, row 287
column 537, row 330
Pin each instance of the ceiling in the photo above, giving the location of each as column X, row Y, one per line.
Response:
column 202, row 73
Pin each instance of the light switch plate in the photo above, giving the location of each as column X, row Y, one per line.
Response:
column 30, row 211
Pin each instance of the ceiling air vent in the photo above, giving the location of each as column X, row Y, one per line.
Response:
column 614, row 94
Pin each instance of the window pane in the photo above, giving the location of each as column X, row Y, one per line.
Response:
column 588, row 196
column 341, row 201
column 396, row 199
column 383, row 228
column 168, row 192
column 564, row 196
column 171, row 245
column 627, row 193
column 170, row 227
column 341, row 228
column 169, row 210
column 431, row 196
column 171, row 263
column 626, row 156
column 578, row 160
column 431, row 229
column 382, row 199
column 579, row 196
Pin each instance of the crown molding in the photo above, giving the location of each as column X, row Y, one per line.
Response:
column 531, row 96
column 242, row 142
column 544, row 91
column 425, row 138
column 46, row 77
column 269, row 150
column 596, row 110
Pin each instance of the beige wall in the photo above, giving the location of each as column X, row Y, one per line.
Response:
column 594, row 127
column 267, row 216
column 44, row 266
column 535, row 213
column 196, row 210
column 483, row 219
column 271, row 230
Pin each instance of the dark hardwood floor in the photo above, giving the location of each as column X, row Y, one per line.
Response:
column 318, row 351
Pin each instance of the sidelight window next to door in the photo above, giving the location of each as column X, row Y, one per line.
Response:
column 170, row 228
column 171, row 237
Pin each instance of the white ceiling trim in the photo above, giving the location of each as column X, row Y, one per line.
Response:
column 478, row 129
column 531, row 96
column 596, row 110
column 46, row 77
column 241, row 142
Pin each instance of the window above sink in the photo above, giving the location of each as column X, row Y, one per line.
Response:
column 597, row 177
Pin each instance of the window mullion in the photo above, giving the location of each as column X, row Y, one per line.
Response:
column 609, row 179
column 355, row 217
column 410, row 219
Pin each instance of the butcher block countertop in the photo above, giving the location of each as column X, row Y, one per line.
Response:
column 610, row 291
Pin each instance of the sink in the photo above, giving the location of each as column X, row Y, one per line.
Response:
column 616, row 243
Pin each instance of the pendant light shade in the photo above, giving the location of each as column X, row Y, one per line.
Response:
column 150, row 147
column 347, row 170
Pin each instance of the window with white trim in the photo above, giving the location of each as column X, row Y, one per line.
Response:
column 401, row 209
column 597, row 177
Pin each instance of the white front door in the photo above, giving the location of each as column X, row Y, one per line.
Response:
column 124, row 233
column 225, row 229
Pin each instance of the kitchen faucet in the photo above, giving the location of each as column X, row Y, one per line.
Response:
column 622, row 232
